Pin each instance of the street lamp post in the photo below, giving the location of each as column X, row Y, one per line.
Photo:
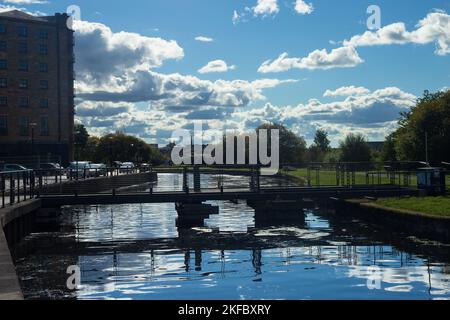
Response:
column 32, row 126
column 77, row 153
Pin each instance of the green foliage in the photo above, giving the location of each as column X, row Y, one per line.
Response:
column 118, row 147
column 430, row 117
column 389, row 152
column 320, row 147
column 355, row 149
column 321, row 141
column 292, row 147
column 122, row 147
column 81, row 135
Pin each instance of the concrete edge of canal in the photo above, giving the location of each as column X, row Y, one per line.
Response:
column 418, row 224
column 9, row 282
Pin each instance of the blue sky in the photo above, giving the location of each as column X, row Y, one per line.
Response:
column 381, row 78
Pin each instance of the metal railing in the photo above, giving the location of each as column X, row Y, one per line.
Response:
column 19, row 186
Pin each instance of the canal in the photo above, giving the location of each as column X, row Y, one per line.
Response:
column 137, row 252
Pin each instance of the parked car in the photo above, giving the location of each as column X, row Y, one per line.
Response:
column 50, row 169
column 116, row 164
column 127, row 167
column 78, row 169
column 97, row 170
column 15, row 170
column 145, row 167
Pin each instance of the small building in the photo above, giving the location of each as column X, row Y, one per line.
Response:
column 432, row 180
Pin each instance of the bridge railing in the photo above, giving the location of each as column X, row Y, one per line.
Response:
column 22, row 185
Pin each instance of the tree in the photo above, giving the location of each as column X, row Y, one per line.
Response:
column 320, row 147
column 292, row 147
column 81, row 135
column 125, row 148
column 89, row 152
column 389, row 153
column 427, row 123
column 321, row 141
column 355, row 149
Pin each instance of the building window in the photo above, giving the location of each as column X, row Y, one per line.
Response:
column 24, row 126
column 3, row 64
column 43, row 67
column 43, row 49
column 23, row 48
column 43, row 84
column 3, row 101
column 3, row 125
column 44, row 126
column 3, row 46
column 2, row 28
column 3, row 83
column 23, row 84
column 43, row 103
column 22, row 31
column 23, row 65
column 43, row 34
column 23, row 102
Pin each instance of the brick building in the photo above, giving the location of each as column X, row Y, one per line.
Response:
column 36, row 86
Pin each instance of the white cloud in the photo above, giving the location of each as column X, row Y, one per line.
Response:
column 303, row 8
column 236, row 17
column 372, row 114
column 343, row 57
column 435, row 27
column 204, row 39
column 216, row 66
column 266, row 7
column 347, row 91
column 103, row 55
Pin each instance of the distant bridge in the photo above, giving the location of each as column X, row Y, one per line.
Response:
column 262, row 194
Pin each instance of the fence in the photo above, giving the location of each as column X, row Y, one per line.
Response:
column 18, row 186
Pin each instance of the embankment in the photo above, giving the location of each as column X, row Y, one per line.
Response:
column 414, row 223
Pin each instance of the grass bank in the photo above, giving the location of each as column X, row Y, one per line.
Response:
column 430, row 206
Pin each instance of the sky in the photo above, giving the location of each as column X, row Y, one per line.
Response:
column 149, row 67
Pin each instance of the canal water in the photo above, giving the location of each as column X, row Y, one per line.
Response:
column 137, row 252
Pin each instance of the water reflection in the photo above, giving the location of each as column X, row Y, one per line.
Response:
column 137, row 252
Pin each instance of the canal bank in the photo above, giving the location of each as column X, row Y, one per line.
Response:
column 416, row 223
column 13, row 219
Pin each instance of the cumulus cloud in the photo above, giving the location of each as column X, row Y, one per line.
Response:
column 373, row 114
column 303, row 8
column 216, row 66
column 103, row 55
column 435, row 27
column 346, row 91
column 204, row 39
column 343, row 57
column 266, row 7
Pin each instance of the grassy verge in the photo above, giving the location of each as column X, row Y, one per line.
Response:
column 432, row 206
